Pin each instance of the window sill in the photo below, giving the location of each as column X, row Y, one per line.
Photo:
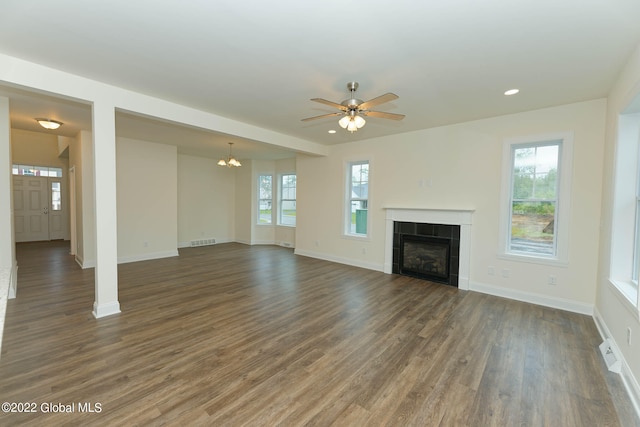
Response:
column 627, row 292
column 286, row 225
column 358, row 237
column 534, row 259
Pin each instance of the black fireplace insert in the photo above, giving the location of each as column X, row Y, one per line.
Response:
column 427, row 251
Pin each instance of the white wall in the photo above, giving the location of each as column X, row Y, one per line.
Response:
column 81, row 158
column 206, row 200
column 147, row 194
column 459, row 166
column 36, row 148
column 8, row 268
column 614, row 313
column 243, row 210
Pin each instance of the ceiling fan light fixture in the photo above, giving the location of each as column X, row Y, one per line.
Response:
column 49, row 124
column 352, row 126
column 352, row 109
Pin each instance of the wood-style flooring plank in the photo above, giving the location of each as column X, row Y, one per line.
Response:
column 236, row 335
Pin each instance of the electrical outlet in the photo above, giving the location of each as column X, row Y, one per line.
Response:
column 364, row 251
column 505, row 272
column 146, row 244
column 628, row 336
column 552, row 280
column 491, row 271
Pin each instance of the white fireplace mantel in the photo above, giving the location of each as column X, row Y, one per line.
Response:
column 461, row 217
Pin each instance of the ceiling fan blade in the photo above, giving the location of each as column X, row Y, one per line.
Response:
column 383, row 115
column 377, row 101
column 321, row 117
column 330, row 104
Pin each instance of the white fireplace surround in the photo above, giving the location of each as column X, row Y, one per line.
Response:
column 461, row 217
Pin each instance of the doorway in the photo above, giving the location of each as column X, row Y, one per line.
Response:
column 40, row 211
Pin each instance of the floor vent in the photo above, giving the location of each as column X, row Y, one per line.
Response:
column 203, row 242
column 610, row 357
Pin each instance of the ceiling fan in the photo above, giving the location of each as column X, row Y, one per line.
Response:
column 353, row 109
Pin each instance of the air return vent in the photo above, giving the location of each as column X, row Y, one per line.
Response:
column 610, row 357
column 203, row 242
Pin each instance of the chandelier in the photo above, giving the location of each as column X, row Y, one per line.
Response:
column 230, row 160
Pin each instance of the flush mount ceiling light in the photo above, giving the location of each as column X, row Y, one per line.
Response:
column 353, row 109
column 229, row 161
column 49, row 124
column 512, row 92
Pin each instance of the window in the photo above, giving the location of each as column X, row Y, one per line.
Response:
column 265, row 199
column 636, row 249
column 357, row 199
column 534, row 198
column 29, row 170
column 536, row 190
column 287, row 206
column 56, row 201
column 625, row 232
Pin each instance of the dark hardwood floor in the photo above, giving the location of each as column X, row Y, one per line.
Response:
column 234, row 335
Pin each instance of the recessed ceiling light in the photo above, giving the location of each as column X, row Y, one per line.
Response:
column 512, row 92
column 332, row 131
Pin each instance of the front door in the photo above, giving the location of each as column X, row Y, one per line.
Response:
column 31, row 208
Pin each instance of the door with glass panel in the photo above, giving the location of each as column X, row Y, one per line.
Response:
column 38, row 203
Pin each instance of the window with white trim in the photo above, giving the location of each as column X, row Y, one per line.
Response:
column 287, row 200
column 357, row 203
column 265, row 199
column 625, row 232
column 535, row 198
column 636, row 246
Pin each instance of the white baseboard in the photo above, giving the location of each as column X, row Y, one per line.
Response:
column 285, row 245
column 629, row 381
column 530, row 297
column 105, row 309
column 85, row 264
column 340, row 260
column 147, row 257
column 262, row 242
column 13, row 281
column 187, row 244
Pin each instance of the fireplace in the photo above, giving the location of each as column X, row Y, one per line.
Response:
column 424, row 257
column 422, row 220
column 427, row 251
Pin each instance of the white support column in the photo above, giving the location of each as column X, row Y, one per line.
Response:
column 104, row 161
column 8, row 267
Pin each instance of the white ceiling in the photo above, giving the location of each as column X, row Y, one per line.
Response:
column 260, row 62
